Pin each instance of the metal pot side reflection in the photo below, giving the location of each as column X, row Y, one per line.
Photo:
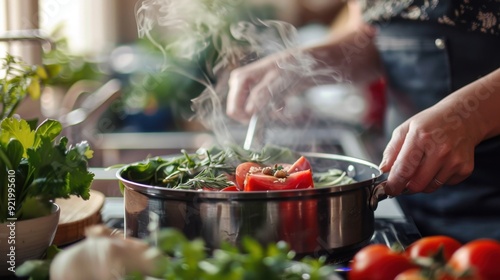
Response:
column 332, row 221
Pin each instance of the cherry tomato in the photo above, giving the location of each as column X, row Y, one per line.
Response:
column 261, row 182
column 411, row 274
column 429, row 246
column 481, row 257
column 420, row 274
column 378, row 262
column 301, row 164
column 241, row 172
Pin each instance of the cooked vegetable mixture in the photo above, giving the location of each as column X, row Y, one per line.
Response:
column 233, row 169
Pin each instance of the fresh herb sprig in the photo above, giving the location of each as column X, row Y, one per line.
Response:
column 206, row 180
column 204, row 169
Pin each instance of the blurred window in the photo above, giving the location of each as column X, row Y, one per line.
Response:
column 88, row 25
column 3, row 26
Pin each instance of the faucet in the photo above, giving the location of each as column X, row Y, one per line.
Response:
column 29, row 35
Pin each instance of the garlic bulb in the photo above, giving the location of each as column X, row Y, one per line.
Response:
column 103, row 255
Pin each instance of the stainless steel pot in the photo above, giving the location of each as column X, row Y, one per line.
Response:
column 333, row 221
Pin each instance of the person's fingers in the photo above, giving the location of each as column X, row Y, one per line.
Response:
column 429, row 177
column 431, row 170
column 404, row 167
column 392, row 149
column 438, row 181
column 443, row 164
column 458, row 167
column 262, row 93
column 239, row 91
column 390, row 155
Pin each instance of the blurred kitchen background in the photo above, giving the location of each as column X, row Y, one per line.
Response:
column 110, row 94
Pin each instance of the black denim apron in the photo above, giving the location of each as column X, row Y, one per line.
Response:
column 425, row 62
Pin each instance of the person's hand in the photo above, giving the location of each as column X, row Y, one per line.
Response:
column 436, row 146
column 264, row 84
column 433, row 148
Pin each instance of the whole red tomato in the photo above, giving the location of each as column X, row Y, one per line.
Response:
column 411, row 274
column 429, row 246
column 480, row 257
column 378, row 262
column 422, row 274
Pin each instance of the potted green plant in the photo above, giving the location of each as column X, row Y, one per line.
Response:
column 37, row 166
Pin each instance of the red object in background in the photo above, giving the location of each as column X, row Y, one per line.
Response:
column 376, row 95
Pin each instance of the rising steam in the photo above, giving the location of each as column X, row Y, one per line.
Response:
column 228, row 36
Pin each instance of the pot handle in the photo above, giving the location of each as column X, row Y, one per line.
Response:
column 377, row 194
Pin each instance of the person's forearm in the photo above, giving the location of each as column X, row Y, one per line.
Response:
column 479, row 104
column 354, row 55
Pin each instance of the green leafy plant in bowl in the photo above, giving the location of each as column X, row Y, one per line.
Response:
column 45, row 166
column 37, row 165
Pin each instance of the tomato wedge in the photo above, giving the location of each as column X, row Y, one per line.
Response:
column 301, row 164
column 241, row 172
column 297, row 180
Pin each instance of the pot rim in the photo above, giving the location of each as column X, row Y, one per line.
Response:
column 239, row 195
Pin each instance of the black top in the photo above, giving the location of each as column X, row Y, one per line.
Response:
column 469, row 15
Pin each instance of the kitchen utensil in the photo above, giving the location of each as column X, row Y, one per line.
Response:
column 252, row 126
column 255, row 133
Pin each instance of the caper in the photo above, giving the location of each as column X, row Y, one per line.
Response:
column 268, row 171
column 280, row 174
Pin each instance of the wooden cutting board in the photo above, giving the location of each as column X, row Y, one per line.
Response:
column 76, row 215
